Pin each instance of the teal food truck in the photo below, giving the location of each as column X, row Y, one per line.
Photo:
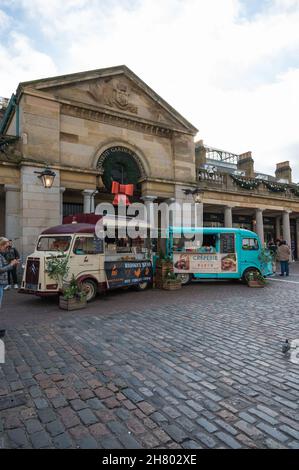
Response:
column 216, row 253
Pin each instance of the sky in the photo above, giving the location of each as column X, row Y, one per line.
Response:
column 231, row 67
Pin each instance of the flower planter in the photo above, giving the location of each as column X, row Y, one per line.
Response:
column 72, row 304
column 172, row 285
column 256, row 284
column 162, row 268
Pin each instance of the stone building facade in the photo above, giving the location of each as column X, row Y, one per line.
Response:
column 78, row 124
column 96, row 126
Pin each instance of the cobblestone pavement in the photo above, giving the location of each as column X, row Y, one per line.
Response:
column 197, row 368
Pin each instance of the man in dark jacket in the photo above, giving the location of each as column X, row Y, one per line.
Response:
column 11, row 254
column 4, row 269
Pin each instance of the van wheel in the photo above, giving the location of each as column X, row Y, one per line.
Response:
column 91, row 289
column 247, row 272
column 142, row 286
column 185, row 278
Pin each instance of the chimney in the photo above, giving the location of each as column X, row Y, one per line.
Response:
column 246, row 163
column 200, row 154
column 283, row 172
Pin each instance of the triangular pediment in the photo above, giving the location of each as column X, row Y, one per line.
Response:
column 116, row 89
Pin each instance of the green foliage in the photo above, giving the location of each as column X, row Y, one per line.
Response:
column 73, row 290
column 170, row 276
column 266, row 256
column 57, row 268
column 255, row 276
column 246, row 183
column 275, row 187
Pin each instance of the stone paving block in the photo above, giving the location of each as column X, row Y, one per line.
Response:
column 207, row 425
column 175, row 432
column 78, row 405
column 33, row 426
column 18, row 438
column 272, row 431
column 87, row 417
column 40, row 440
column 46, row 415
column 229, row 440
column 63, row 441
column 55, row 428
column 206, row 440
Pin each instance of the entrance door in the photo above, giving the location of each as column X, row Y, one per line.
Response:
column 87, row 257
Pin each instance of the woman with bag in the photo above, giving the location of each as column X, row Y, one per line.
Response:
column 4, row 269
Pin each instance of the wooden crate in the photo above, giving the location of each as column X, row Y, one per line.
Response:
column 71, row 304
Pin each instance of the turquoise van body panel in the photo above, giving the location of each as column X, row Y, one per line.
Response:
column 247, row 249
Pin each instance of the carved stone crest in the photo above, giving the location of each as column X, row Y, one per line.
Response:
column 115, row 94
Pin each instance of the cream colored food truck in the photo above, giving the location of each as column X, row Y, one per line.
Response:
column 97, row 263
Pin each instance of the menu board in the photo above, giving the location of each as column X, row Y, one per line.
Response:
column 227, row 243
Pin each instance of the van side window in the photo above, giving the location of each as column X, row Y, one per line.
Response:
column 250, row 244
column 88, row 246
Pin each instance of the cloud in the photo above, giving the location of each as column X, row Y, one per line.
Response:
column 21, row 61
column 233, row 76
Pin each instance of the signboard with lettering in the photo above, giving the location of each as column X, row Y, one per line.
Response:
column 126, row 273
column 205, row 263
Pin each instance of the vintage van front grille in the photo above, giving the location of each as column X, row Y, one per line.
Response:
column 32, row 273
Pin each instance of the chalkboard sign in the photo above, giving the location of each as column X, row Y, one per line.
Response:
column 227, row 243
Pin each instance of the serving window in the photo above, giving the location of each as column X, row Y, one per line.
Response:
column 201, row 244
column 124, row 245
column 250, row 244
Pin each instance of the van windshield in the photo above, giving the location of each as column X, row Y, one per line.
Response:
column 55, row 243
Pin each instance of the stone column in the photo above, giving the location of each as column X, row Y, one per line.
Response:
column 228, row 217
column 278, row 225
column 260, row 225
column 286, row 229
column 12, row 213
column 61, row 203
column 88, row 201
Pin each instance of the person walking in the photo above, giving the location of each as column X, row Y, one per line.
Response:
column 4, row 269
column 11, row 254
column 283, row 254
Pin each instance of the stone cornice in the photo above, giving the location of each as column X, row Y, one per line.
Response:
column 116, row 119
column 56, row 166
column 251, row 195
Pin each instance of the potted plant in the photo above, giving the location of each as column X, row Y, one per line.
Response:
column 163, row 267
column 57, row 268
column 171, row 282
column 73, row 296
column 255, row 279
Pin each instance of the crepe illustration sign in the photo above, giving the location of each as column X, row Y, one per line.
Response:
column 126, row 273
column 205, row 263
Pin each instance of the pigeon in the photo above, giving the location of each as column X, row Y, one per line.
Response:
column 286, row 346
